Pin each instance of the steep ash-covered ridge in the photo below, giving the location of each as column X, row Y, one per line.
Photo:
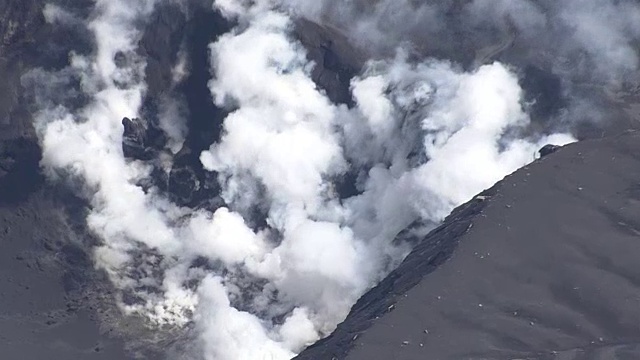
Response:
column 541, row 266
column 430, row 253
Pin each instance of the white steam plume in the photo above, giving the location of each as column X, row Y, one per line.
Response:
column 600, row 35
column 422, row 138
column 285, row 138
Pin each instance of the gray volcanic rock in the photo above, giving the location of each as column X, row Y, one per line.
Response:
column 548, row 149
column 53, row 303
column 141, row 140
column 336, row 60
column 54, row 306
column 541, row 266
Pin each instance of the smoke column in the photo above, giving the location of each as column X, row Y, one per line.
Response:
column 279, row 265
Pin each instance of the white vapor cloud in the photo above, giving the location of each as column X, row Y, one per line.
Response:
column 422, row 137
column 55, row 14
column 173, row 115
column 284, row 137
column 596, row 37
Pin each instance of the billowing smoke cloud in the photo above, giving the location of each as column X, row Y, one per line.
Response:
column 604, row 29
column 281, row 263
column 591, row 46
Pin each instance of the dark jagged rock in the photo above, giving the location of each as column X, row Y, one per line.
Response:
column 186, row 184
column 183, row 183
column 188, row 188
column 548, row 149
column 141, row 140
column 134, row 138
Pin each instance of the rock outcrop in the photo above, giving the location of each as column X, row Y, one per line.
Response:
column 141, row 140
column 548, row 149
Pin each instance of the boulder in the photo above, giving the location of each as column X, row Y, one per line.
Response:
column 548, row 149
column 141, row 140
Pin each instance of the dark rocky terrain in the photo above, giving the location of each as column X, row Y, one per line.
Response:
column 540, row 266
column 53, row 303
